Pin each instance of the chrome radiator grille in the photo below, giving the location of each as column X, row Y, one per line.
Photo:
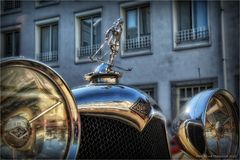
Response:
column 107, row 139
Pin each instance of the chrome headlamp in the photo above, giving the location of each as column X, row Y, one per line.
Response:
column 209, row 125
column 39, row 118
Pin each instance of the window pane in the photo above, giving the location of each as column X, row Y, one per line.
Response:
column 131, row 24
column 54, row 37
column 149, row 91
column 209, row 87
column 86, row 32
column 45, row 39
column 202, row 88
column 8, row 44
column 17, row 43
column 144, row 21
column 97, row 30
column 185, row 16
column 182, row 92
column 182, row 102
column 200, row 14
column 195, row 90
column 189, row 92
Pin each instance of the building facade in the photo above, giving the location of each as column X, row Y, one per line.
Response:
column 176, row 48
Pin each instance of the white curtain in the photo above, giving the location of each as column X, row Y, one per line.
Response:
column 185, row 15
column 97, row 30
column 45, row 40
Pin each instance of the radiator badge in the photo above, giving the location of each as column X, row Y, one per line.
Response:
column 141, row 107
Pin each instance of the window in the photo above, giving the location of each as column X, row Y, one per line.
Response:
column 191, row 21
column 49, row 43
column 88, row 34
column 184, row 91
column 138, row 28
column 47, row 40
column 137, row 32
column 10, row 5
column 11, row 41
column 150, row 89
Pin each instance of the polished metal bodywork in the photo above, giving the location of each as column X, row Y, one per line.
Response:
column 117, row 101
column 39, row 118
column 214, row 116
column 118, row 104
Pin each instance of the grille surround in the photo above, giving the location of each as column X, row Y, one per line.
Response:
column 106, row 138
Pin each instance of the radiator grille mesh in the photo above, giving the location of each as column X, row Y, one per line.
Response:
column 107, row 139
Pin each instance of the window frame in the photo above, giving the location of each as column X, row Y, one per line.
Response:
column 175, row 85
column 124, row 7
column 38, row 25
column 78, row 37
column 5, row 30
column 190, row 44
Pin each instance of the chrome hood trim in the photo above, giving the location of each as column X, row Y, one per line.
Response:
column 117, row 101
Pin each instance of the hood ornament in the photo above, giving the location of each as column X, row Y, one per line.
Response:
column 112, row 38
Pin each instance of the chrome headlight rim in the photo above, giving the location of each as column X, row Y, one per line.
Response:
column 194, row 112
column 227, row 101
column 71, row 149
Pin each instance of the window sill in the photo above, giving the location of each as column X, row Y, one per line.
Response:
column 13, row 11
column 82, row 60
column 134, row 53
column 51, row 64
column 191, row 45
column 37, row 5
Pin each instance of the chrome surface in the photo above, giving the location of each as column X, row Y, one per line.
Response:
column 221, row 127
column 114, row 39
column 217, row 111
column 129, row 113
column 103, row 75
column 117, row 101
column 39, row 118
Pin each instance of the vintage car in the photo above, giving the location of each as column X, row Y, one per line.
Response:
column 41, row 118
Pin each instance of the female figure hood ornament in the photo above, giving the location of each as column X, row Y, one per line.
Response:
column 113, row 39
column 104, row 71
